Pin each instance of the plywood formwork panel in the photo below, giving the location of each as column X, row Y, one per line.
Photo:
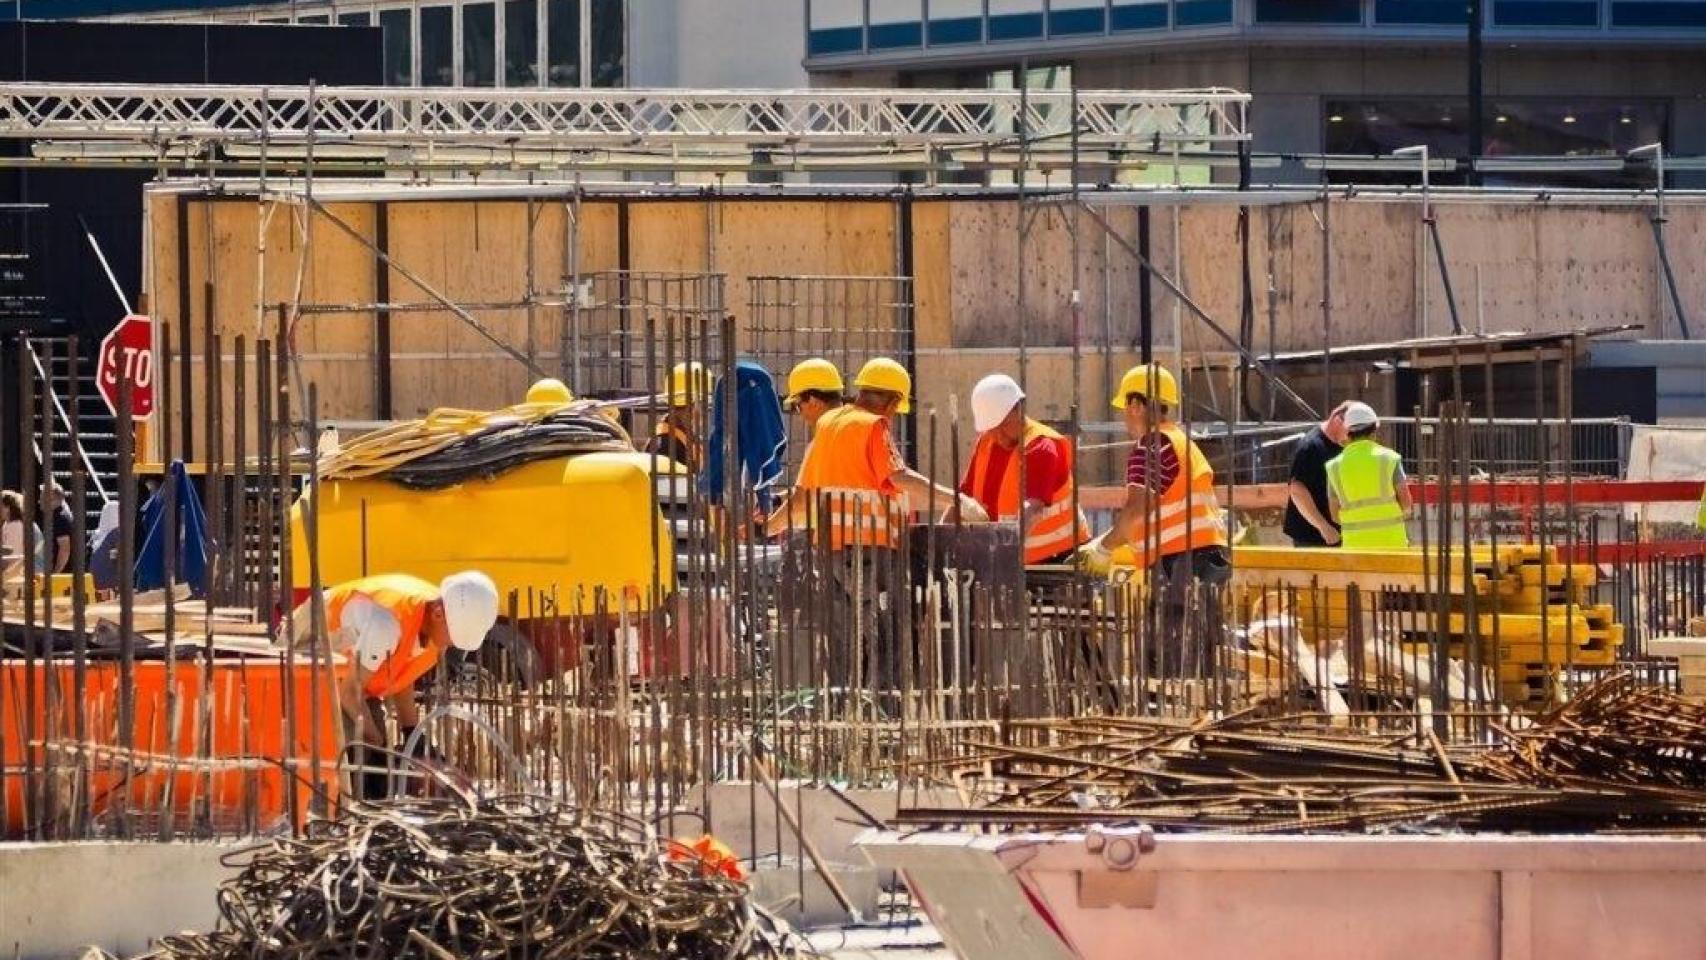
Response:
column 1596, row 269
column 984, row 274
column 932, row 274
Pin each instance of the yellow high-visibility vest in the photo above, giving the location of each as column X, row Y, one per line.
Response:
column 1361, row 478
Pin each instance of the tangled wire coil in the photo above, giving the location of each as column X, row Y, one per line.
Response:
column 519, row 877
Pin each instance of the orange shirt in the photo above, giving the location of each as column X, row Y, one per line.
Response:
column 406, row 598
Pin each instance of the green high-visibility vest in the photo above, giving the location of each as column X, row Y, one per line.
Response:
column 1361, row 478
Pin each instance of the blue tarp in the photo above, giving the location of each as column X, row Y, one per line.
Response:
column 762, row 437
column 192, row 542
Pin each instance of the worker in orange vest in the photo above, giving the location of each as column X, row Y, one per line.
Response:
column 858, row 496
column 1170, row 517
column 1054, row 529
column 677, row 434
column 395, row 627
column 857, row 475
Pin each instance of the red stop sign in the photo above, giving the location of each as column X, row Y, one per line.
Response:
column 127, row 357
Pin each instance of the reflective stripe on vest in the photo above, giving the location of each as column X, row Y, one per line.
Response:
column 849, row 498
column 1052, row 529
column 695, row 452
column 1189, row 515
column 406, row 598
column 1361, row 478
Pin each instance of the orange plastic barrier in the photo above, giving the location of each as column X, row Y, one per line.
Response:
column 242, row 765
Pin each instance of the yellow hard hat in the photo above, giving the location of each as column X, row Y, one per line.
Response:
column 813, row 374
column 689, row 383
column 549, row 390
column 881, row 373
column 1137, row 380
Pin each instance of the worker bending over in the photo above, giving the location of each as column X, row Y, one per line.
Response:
column 1170, row 516
column 1054, row 530
column 395, row 627
column 1366, row 491
column 676, row 436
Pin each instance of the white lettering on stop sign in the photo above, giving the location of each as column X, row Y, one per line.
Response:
column 127, row 362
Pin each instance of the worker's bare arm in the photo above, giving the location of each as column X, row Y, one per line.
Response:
column 1130, row 520
column 925, row 493
column 1305, row 504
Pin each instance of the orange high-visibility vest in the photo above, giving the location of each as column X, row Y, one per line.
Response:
column 851, row 498
column 406, row 598
column 1053, row 531
column 1189, row 514
column 695, row 450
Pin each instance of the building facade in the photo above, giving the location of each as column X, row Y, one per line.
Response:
column 1562, row 78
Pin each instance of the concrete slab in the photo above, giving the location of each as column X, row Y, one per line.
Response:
column 58, row 898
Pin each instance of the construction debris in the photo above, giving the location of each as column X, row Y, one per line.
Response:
column 506, row 877
column 1620, row 757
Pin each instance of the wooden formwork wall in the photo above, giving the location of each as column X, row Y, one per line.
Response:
column 1513, row 266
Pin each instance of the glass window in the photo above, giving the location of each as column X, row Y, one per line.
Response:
column 1137, row 14
column 314, row 20
column 1658, row 13
column 608, row 46
column 1511, row 127
column 1308, row 11
column 1546, row 13
column 563, row 43
column 1070, row 17
column 1015, row 19
column 895, row 24
column 837, row 26
column 479, row 44
column 437, row 48
column 521, row 43
column 399, row 68
column 359, row 19
column 955, row 21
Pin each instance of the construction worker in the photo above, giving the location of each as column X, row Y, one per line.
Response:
column 858, row 493
column 1366, row 491
column 1308, row 520
column 815, row 387
column 395, row 627
column 1170, row 517
column 677, row 436
column 852, row 459
column 1053, row 530
column 549, row 392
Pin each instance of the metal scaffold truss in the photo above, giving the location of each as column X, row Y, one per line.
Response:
column 681, row 121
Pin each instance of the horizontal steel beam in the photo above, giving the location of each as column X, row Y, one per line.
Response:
column 619, row 118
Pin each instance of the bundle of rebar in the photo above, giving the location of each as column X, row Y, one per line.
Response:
column 457, row 878
column 1622, row 758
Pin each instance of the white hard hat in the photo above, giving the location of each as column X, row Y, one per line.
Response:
column 992, row 400
column 470, row 607
column 1359, row 414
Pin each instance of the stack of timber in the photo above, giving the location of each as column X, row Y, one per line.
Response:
column 1516, row 610
column 49, row 628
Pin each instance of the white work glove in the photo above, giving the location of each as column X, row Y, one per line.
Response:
column 971, row 511
column 367, row 631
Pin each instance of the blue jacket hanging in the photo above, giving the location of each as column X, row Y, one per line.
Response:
column 762, row 439
column 150, row 570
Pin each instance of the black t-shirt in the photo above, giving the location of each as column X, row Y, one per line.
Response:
column 1309, row 467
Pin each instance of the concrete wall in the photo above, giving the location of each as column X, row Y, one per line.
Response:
column 57, row 898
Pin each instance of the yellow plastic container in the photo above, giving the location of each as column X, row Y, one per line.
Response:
column 571, row 525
